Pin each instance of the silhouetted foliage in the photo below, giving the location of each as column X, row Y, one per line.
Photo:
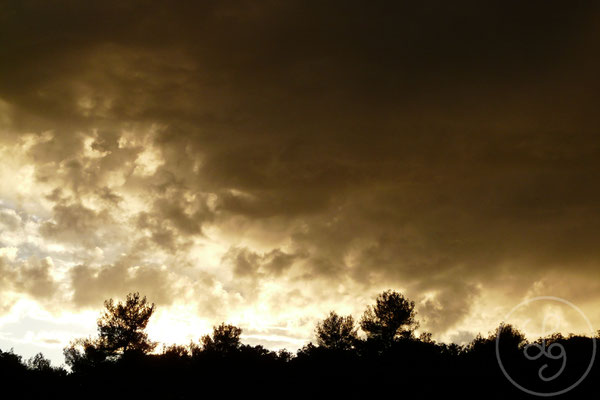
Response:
column 392, row 317
column 120, row 331
column 426, row 337
column 175, row 351
column 225, row 339
column 82, row 354
column 121, row 326
column 39, row 363
column 32, row 379
column 392, row 360
column 10, row 363
column 336, row 332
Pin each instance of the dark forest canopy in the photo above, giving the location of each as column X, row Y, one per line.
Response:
column 122, row 362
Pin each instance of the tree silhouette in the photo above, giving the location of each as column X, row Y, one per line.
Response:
column 121, row 326
column 82, row 354
column 225, row 339
column 11, row 365
column 120, row 331
column 175, row 351
column 39, row 363
column 336, row 332
column 391, row 318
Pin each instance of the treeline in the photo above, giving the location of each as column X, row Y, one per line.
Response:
column 122, row 362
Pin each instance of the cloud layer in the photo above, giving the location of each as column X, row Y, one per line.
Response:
column 269, row 161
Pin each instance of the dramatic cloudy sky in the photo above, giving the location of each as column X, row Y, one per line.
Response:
column 264, row 162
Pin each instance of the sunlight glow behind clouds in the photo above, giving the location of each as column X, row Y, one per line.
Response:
column 263, row 169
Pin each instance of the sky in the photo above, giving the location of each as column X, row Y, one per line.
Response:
column 262, row 163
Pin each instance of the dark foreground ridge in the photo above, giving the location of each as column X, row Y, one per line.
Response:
column 390, row 362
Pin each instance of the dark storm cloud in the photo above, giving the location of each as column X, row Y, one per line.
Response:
column 432, row 146
column 35, row 278
column 31, row 276
column 74, row 223
column 94, row 284
column 249, row 263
